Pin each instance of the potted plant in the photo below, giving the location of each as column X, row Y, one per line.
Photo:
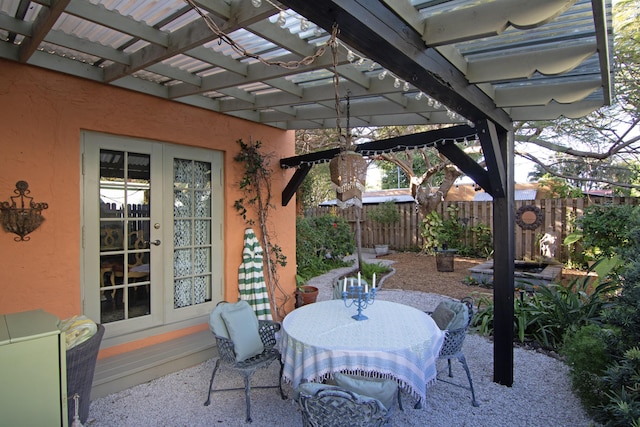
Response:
column 305, row 294
column 386, row 214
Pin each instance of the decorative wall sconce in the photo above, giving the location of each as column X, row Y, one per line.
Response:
column 21, row 215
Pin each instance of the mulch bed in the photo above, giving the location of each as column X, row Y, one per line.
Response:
column 418, row 272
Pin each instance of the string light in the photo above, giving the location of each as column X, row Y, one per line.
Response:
column 350, row 55
column 305, row 25
column 372, row 153
column 244, row 52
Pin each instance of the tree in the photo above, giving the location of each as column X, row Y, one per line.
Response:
column 601, row 149
column 428, row 174
column 316, row 187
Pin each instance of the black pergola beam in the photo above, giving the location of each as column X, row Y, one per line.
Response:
column 390, row 145
column 488, row 135
column 446, row 136
column 295, row 182
column 467, row 165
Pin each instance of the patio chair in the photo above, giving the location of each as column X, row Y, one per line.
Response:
column 456, row 331
column 332, row 406
column 245, row 344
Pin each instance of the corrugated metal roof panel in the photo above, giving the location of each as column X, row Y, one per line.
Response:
column 141, row 35
column 519, row 195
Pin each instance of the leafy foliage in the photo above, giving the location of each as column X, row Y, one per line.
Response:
column 605, row 228
column 367, row 269
column 559, row 188
column 547, row 315
column 474, row 240
column 431, row 229
column 321, row 244
column 255, row 186
column 385, row 213
column 597, row 330
column 586, row 353
column 622, row 380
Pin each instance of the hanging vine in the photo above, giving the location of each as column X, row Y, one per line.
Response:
column 255, row 184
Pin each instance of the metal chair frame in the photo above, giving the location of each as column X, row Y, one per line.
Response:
column 452, row 349
column 267, row 330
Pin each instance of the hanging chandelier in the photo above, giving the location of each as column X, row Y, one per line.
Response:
column 348, row 169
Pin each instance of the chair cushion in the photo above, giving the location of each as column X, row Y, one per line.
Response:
column 242, row 325
column 310, row 388
column 381, row 389
column 77, row 329
column 216, row 323
column 442, row 315
column 461, row 317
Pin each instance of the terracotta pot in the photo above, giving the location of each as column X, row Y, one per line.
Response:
column 306, row 294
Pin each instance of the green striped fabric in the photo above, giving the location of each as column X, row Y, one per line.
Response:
column 251, row 277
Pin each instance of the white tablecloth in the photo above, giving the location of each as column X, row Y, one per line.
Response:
column 396, row 341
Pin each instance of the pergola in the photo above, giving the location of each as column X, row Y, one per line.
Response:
column 476, row 64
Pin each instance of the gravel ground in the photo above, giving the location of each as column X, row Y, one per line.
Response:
column 540, row 396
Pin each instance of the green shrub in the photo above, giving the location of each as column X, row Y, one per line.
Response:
column 385, row 213
column 622, row 380
column 483, row 245
column 483, row 317
column 367, row 270
column 547, row 315
column 456, row 234
column 604, row 230
column 585, row 351
column 555, row 310
column 321, row 244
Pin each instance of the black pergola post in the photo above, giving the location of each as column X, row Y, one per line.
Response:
column 503, row 268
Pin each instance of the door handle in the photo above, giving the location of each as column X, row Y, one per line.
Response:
column 155, row 243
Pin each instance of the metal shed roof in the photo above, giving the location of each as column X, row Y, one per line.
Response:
column 525, row 59
column 518, row 195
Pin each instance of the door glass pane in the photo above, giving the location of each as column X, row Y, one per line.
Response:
column 192, row 232
column 125, row 256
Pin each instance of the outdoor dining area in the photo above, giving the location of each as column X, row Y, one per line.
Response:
column 321, row 366
column 141, row 123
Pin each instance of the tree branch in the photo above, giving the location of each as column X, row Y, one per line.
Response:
column 544, row 167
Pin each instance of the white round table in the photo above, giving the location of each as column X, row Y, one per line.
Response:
column 396, row 341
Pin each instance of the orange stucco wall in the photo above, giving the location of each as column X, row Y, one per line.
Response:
column 42, row 114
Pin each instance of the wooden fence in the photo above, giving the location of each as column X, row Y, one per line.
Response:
column 558, row 217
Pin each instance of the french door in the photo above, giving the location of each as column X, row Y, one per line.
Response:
column 152, row 231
